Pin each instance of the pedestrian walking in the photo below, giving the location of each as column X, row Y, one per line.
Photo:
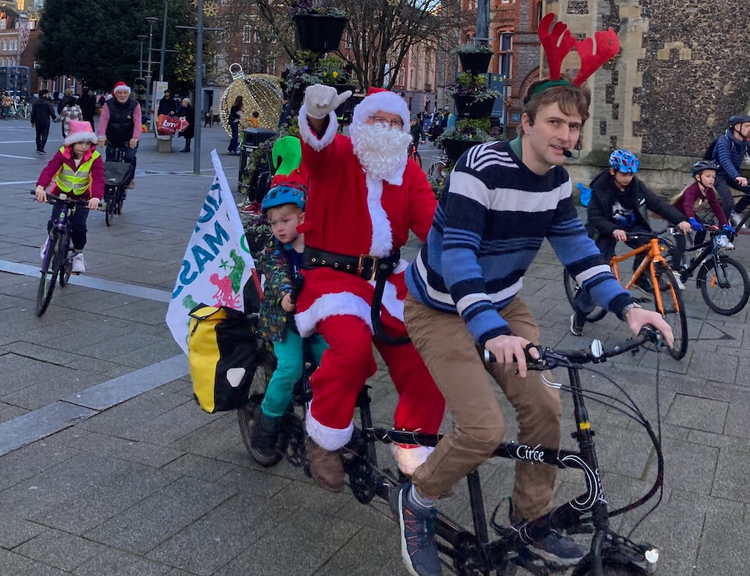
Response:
column 41, row 112
column 188, row 112
column 87, row 102
column 235, row 114
column 69, row 112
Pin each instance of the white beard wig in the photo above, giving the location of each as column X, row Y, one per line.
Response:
column 382, row 151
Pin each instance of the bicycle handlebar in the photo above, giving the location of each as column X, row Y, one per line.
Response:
column 54, row 199
column 596, row 353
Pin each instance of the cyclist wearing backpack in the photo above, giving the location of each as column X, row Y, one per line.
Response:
column 728, row 153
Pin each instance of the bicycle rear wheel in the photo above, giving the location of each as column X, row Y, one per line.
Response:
column 50, row 272
column 67, row 260
column 725, row 289
column 110, row 197
column 417, row 158
column 673, row 309
column 571, row 287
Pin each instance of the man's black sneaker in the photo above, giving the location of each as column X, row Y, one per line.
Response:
column 417, row 525
column 557, row 549
column 576, row 324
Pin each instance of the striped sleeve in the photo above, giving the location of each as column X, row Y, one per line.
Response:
column 466, row 208
column 580, row 255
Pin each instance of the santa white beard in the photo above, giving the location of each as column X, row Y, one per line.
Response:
column 381, row 151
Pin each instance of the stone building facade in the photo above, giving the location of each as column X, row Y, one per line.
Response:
column 683, row 69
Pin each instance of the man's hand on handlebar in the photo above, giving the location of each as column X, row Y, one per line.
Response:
column 685, row 227
column 100, row 141
column 40, row 193
column 509, row 349
column 620, row 235
column 637, row 318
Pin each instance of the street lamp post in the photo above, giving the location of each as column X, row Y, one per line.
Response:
column 151, row 21
column 141, row 38
column 163, row 42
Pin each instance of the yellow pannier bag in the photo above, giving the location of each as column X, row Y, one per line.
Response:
column 222, row 350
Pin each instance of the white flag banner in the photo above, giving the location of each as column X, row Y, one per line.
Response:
column 217, row 262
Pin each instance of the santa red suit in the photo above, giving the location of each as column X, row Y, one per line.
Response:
column 351, row 213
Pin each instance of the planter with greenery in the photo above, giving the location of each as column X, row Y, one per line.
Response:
column 475, row 59
column 319, row 25
column 473, row 97
column 466, row 133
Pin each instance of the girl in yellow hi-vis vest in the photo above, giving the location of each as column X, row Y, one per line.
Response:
column 77, row 170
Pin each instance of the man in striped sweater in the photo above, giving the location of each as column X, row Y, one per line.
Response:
column 503, row 200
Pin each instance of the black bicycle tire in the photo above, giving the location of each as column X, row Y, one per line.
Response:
column 417, row 158
column 49, row 268
column 609, row 568
column 247, row 414
column 67, row 264
column 596, row 314
column 679, row 348
column 109, row 210
column 704, row 284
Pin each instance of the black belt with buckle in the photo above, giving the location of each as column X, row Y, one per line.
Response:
column 365, row 266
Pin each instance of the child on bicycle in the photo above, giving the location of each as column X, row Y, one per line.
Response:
column 281, row 262
column 619, row 206
column 77, row 170
column 701, row 190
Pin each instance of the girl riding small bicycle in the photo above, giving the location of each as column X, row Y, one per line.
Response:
column 77, row 170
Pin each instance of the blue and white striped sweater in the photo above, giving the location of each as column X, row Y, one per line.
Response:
column 487, row 230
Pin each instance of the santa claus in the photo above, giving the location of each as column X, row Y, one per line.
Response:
column 364, row 197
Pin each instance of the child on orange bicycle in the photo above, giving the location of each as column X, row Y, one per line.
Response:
column 77, row 170
column 619, row 206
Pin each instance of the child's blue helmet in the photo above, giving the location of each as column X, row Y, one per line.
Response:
column 284, row 194
column 624, row 161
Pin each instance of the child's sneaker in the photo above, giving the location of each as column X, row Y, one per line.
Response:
column 723, row 242
column 79, row 266
column 263, row 440
column 735, row 218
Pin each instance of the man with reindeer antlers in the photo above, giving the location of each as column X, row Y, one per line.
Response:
column 503, row 199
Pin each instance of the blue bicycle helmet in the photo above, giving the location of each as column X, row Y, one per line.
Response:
column 702, row 165
column 284, row 194
column 624, row 161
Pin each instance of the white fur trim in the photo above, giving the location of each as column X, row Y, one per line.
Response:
column 339, row 303
column 80, row 137
column 408, row 459
column 346, row 304
column 389, row 102
column 121, row 88
column 327, row 438
column 402, row 266
column 382, row 236
column 310, row 137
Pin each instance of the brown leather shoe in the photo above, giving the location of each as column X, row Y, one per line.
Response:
column 326, row 467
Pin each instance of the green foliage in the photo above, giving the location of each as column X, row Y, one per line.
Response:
column 472, row 85
column 97, row 41
column 471, row 47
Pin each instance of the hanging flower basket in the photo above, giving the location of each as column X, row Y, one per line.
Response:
column 319, row 32
column 469, row 106
column 454, row 148
column 475, row 62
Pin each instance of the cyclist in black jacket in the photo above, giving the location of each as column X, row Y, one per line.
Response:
column 619, row 206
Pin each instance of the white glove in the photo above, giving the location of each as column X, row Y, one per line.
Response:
column 321, row 100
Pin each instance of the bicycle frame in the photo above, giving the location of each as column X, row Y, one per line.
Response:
column 708, row 250
column 591, row 506
column 60, row 224
column 653, row 254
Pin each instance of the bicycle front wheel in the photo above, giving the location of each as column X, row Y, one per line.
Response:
column 672, row 310
column 50, row 272
column 111, row 206
column 725, row 289
column 571, row 287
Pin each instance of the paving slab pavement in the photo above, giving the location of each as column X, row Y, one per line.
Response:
column 129, row 477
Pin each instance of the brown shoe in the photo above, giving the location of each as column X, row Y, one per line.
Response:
column 326, row 467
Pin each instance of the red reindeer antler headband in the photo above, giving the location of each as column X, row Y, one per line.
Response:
column 557, row 42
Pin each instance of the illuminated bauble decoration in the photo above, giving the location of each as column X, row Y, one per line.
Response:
column 210, row 7
column 260, row 92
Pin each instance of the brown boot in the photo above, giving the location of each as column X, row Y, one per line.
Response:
column 326, row 467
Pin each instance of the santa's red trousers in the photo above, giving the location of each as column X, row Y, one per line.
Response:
column 349, row 362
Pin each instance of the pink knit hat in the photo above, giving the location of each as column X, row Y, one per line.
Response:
column 80, row 132
column 120, row 86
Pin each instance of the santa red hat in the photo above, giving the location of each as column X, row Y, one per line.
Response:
column 121, row 86
column 381, row 100
column 80, row 132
